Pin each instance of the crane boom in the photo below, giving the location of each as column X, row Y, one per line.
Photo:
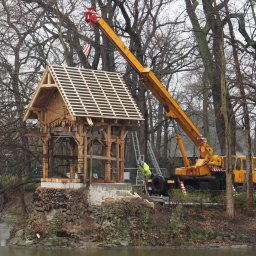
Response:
column 172, row 108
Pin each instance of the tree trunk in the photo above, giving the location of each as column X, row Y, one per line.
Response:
column 211, row 65
column 205, row 108
column 165, row 143
column 137, row 49
column 239, row 82
column 159, row 132
column 107, row 50
column 215, row 68
column 151, row 121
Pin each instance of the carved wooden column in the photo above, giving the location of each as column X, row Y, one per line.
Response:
column 51, row 160
column 108, row 154
column 80, row 148
column 85, row 157
column 117, row 159
column 45, row 160
column 122, row 141
column 71, row 161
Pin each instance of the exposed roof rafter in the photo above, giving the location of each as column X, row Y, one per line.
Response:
column 89, row 93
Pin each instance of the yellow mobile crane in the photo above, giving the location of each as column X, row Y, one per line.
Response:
column 207, row 166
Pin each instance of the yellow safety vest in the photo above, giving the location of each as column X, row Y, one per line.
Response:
column 145, row 170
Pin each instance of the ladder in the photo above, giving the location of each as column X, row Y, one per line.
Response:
column 136, row 146
column 140, row 181
column 153, row 160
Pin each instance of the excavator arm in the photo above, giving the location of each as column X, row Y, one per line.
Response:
column 172, row 108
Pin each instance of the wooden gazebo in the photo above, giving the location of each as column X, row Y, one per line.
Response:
column 85, row 114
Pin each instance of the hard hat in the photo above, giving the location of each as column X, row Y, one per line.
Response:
column 141, row 162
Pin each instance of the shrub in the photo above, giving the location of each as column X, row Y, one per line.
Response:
column 177, row 220
column 37, row 224
column 7, row 180
column 31, row 187
column 56, row 224
column 196, row 234
column 241, row 200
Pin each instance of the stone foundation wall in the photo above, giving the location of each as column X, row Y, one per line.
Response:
column 72, row 203
column 57, row 217
column 64, row 217
column 105, row 192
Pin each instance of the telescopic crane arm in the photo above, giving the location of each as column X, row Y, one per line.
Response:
column 172, row 109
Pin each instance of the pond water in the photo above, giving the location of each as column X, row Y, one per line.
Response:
column 4, row 234
column 6, row 251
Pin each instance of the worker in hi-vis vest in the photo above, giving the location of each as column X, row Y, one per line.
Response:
column 144, row 168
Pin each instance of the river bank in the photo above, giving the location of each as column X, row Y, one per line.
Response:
column 65, row 219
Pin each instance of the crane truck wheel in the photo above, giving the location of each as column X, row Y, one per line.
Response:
column 158, row 183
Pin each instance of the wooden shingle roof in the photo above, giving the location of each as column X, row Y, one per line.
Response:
column 89, row 93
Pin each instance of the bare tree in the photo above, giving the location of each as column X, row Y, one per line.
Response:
column 239, row 82
column 215, row 67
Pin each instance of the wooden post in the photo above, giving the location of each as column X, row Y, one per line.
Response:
column 122, row 141
column 45, row 160
column 117, row 159
column 51, row 160
column 71, row 161
column 85, row 157
column 80, row 148
column 108, row 154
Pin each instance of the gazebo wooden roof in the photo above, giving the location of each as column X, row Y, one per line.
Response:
column 86, row 93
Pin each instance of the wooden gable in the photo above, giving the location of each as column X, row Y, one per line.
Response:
column 47, row 104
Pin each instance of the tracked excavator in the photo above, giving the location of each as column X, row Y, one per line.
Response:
column 207, row 171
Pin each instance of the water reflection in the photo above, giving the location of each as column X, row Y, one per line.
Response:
column 125, row 252
column 4, row 234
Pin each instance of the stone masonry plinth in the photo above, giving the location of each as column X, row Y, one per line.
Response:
column 102, row 192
